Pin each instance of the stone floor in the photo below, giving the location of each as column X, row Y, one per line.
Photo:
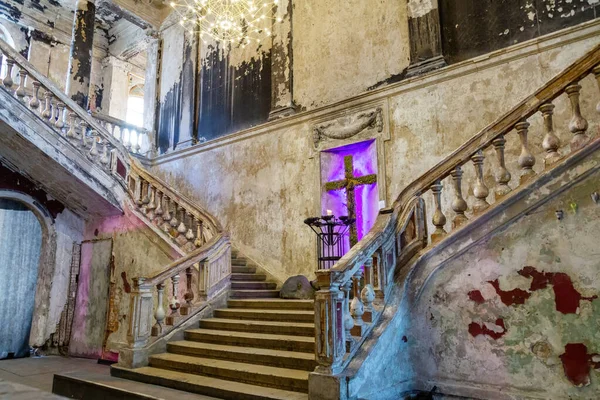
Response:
column 31, row 378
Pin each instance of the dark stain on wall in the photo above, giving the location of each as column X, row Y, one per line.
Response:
column 510, row 297
column 232, row 97
column 476, row 329
column 54, row 3
column 126, row 284
column 13, row 181
column 577, row 363
column 25, row 51
column 170, row 117
column 81, row 52
column 10, row 11
column 43, row 37
column 474, row 27
column 37, row 5
column 98, row 96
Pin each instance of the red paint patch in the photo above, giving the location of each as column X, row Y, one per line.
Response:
column 577, row 363
column 476, row 296
column 566, row 297
column 476, row 329
column 510, row 297
column 126, row 285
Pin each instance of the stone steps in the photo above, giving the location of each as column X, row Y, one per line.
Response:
column 252, row 355
column 252, row 339
column 206, row 385
column 275, row 304
column 270, row 327
column 252, row 285
column 260, row 347
column 254, row 294
column 281, row 378
column 266, row 315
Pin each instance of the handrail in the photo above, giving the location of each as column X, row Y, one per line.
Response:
column 401, row 231
column 118, row 127
column 116, row 121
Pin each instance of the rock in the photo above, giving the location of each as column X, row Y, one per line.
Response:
column 297, row 287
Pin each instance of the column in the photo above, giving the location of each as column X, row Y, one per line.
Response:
column 425, row 37
column 80, row 56
column 116, row 87
column 151, row 90
column 282, row 82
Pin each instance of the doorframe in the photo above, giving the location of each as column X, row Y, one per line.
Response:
column 46, row 265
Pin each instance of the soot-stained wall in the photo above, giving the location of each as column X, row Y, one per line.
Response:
column 474, row 27
column 232, row 96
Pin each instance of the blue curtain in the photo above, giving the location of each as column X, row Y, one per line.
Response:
column 20, row 246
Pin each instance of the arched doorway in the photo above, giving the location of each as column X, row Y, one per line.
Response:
column 20, row 252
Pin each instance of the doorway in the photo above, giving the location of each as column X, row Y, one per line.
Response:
column 20, row 249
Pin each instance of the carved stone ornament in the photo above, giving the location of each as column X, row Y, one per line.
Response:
column 347, row 127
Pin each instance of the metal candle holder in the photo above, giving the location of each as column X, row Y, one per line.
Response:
column 330, row 233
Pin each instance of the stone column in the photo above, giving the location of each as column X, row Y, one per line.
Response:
column 425, row 37
column 282, row 82
column 116, row 87
column 80, row 56
column 151, row 85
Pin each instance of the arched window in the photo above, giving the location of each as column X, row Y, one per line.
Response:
column 135, row 106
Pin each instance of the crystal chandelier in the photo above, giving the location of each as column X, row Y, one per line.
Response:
column 227, row 21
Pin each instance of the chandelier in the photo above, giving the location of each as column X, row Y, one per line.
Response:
column 227, row 21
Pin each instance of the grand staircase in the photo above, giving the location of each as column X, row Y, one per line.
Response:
column 259, row 347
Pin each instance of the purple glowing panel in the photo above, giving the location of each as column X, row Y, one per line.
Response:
column 366, row 196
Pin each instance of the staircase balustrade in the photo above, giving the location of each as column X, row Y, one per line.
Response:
column 345, row 313
column 62, row 114
column 130, row 135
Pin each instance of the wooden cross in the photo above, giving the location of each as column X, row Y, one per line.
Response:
column 349, row 183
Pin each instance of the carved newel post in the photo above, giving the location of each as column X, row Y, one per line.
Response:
column 140, row 314
column 329, row 325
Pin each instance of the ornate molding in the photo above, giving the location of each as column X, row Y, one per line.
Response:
column 348, row 126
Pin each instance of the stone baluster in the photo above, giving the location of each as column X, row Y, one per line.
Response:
column 174, row 304
column 128, row 145
column 480, row 191
column 502, row 175
column 551, row 142
column 60, row 119
column 189, row 235
column 84, row 127
column 347, row 320
column 526, row 159
column 94, row 149
column 438, row 219
column 151, row 206
column 597, row 75
column 139, row 190
column 182, row 229
column 199, row 233
column 167, row 215
column 140, row 314
column 159, row 314
column 47, row 113
column 174, row 221
column 121, row 136
column 578, row 125
column 189, row 294
column 20, row 92
column 137, row 147
column 459, row 205
column 8, row 80
column 159, row 207
column 357, row 308
column 71, row 134
column 367, row 294
column 34, row 102
column 105, row 158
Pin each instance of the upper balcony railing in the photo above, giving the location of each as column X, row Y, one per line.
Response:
column 136, row 139
column 345, row 309
column 62, row 114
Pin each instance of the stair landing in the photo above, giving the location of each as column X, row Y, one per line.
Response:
column 259, row 347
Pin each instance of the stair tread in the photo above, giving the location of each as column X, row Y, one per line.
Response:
column 276, row 372
column 243, row 349
column 266, row 311
column 220, row 332
column 257, row 322
column 220, row 384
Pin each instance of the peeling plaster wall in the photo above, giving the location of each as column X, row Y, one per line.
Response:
column 512, row 311
column 138, row 252
column 342, row 48
column 262, row 185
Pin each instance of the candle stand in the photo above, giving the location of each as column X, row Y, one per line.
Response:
column 330, row 233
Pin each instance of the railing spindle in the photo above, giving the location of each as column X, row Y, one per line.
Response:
column 597, row 75
column 502, row 175
column 47, row 113
column 459, row 205
column 438, row 219
column 526, row 159
column 94, row 149
column 578, row 125
column 189, row 294
column 60, row 118
column 480, row 191
column 551, row 142
column 357, row 309
column 160, row 313
column 20, row 92
column 8, row 80
column 71, row 134
column 34, row 102
column 174, row 305
column 367, row 294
